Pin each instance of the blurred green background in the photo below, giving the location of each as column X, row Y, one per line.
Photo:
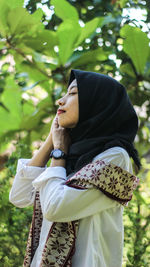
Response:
column 40, row 41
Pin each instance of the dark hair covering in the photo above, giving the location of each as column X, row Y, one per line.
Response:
column 106, row 119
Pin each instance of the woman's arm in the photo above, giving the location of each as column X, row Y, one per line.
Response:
column 61, row 203
column 22, row 193
column 41, row 158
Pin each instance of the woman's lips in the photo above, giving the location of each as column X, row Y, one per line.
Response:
column 60, row 111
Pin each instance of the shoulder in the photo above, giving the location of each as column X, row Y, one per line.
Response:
column 116, row 155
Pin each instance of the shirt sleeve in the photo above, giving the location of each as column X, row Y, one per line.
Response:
column 22, row 193
column 61, row 203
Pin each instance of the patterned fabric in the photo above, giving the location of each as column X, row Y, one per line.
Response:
column 112, row 180
column 34, row 233
column 59, row 248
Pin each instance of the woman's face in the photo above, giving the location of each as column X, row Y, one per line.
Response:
column 69, row 103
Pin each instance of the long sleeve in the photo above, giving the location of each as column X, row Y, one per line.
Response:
column 22, row 193
column 61, row 203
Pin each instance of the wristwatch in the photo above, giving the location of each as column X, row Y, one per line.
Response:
column 58, row 154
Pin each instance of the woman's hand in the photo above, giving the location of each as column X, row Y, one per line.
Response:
column 60, row 136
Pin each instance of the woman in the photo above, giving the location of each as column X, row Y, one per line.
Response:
column 79, row 200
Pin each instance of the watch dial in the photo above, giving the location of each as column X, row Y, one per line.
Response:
column 57, row 153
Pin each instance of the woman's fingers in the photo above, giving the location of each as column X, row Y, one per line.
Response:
column 60, row 136
column 56, row 122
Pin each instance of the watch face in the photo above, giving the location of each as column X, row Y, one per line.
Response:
column 57, row 153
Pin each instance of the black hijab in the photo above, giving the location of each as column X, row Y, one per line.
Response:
column 106, row 119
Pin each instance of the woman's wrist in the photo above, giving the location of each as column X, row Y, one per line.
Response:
column 64, row 149
column 58, row 162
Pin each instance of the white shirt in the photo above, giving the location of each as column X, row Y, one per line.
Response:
column 100, row 236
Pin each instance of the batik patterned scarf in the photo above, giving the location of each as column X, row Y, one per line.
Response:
column 112, row 180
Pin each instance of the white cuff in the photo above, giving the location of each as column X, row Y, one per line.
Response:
column 50, row 172
column 26, row 171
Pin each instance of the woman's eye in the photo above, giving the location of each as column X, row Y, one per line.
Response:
column 72, row 93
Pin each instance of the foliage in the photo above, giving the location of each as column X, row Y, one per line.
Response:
column 37, row 53
column 137, row 226
column 15, row 222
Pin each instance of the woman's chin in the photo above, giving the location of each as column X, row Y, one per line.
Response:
column 65, row 125
column 62, row 124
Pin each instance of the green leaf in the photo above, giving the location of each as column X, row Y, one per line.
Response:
column 4, row 9
column 17, row 57
column 136, row 45
column 43, row 129
column 65, row 10
column 68, row 31
column 31, row 121
column 92, row 25
column 44, row 40
column 45, row 103
column 91, row 56
column 88, row 29
column 28, row 108
column 123, row 3
column 30, row 86
column 19, row 20
column 127, row 68
column 37, row 15
column 106, row 20
column 2, row 45
column 48, row 60
column 33, row 73
column 14, row 3
column 11, row 97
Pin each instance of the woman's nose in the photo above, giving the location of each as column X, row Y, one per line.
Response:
column 60, row 102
